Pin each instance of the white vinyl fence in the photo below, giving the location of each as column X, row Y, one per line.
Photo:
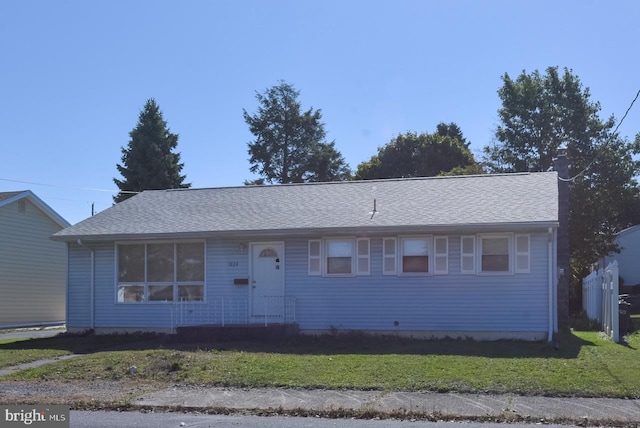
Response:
column 600, row 299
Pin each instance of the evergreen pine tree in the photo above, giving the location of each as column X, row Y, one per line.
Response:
column 148, row 161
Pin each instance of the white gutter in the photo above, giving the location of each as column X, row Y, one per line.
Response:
column 556, row 278
column 93, row 283
column 550, row 252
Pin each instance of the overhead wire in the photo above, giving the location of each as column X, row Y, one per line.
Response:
column 600, row 149
column 69, row 187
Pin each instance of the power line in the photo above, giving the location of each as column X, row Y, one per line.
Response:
column 604, row 144
column 68, row 187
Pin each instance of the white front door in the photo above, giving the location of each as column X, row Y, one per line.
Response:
column 267, row 279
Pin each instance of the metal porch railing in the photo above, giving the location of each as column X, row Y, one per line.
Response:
column 224, row 311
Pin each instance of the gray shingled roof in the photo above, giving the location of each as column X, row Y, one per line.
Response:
column 7, row 198
column 423, row 204
column 7, row 195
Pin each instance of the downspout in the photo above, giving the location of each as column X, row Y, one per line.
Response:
column 550, row 256
column 556, row 279
column 92, row 285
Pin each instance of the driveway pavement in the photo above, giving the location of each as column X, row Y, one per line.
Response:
column 31, row 332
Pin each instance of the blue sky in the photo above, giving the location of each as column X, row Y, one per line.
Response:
column 74, row 76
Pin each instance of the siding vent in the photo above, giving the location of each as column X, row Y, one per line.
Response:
column 22, row 206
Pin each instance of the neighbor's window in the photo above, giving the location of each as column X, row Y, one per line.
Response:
column 160, row 272
column 495, row 253
column 415, row 254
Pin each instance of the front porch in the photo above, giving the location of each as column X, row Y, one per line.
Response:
column 234, row 311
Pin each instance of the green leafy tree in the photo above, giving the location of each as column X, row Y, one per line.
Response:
column 421, row 155
column 539, row 114
column 148, row 161
column 289, row 145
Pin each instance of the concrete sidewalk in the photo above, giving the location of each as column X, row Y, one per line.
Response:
column 455, row 404
column 24, row 366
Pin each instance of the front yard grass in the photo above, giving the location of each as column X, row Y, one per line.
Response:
column 584, row 364
column 14, row 355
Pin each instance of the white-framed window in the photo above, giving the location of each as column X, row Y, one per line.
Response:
column 523, row 254
column 441, row 255
column 389, row 256
column 414, row 255
column 467, row 255
column 339, row 257
column 160, row 272
column 495, row 253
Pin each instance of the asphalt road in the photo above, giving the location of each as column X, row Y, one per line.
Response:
column 177, row 420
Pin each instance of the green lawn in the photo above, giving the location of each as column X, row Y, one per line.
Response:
column 11, row 355
column 585, row 364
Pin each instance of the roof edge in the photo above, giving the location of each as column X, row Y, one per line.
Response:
column 342, row 182
column 429, row 229
column 50, row 212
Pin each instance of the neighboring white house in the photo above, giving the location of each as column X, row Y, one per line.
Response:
column 32, row 266
column 430, row 257
column 629, row 256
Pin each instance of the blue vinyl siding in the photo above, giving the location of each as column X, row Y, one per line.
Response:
column 451, row 302
column 79, row 288
column 224, row 263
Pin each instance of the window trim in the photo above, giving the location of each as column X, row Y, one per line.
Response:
column 400, row 251
column 357, row 258
column 145, row 283
column 325, row 256
column 510, row 253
